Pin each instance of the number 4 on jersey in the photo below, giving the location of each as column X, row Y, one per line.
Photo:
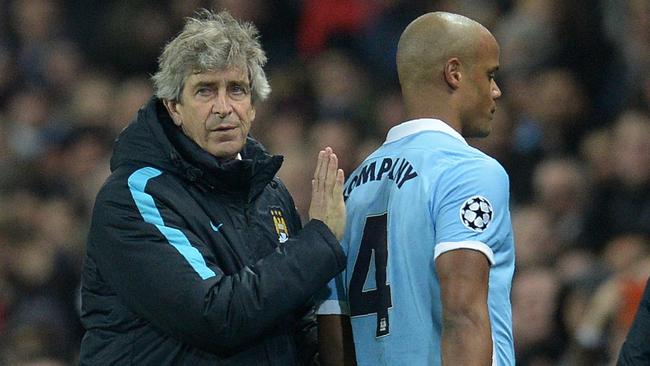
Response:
column 378, row 300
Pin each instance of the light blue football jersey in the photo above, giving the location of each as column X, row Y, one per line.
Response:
column 424, row 192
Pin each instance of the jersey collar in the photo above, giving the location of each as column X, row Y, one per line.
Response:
column 421, row 124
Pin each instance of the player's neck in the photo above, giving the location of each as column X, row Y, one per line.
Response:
column 447, row 118
column 434, row 106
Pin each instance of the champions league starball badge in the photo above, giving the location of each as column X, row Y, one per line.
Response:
column 476, row 213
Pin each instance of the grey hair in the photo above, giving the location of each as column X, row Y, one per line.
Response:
column 211, row 41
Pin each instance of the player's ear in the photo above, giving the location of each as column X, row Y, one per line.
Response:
column 452, row 73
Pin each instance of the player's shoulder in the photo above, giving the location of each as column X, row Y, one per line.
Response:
column 463, row 151
column 470, row 163
column 477, row 159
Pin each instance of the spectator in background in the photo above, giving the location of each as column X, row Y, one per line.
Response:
column 548, row 121
column 38, row 293
column 277, row 21
column 596, row 156
column 288, row 137
column 389, row 110
column 121, row 22
column 622, row 204
column 325, row 21
column 626, row 24
column 92, row 99
column 340, row 135
column 609, row 312
column 37, row 25
column 64, row 62
column 560, row 187
column 28, row 113
column 534, row 299
column 380, row 35
column 556, row 104
column 131, row 94
column 343, row 101
column 528, row 33
column 586, row 52
column 535, row 242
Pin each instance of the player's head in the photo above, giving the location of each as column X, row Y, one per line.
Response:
column 211, row 42
column 446, row 64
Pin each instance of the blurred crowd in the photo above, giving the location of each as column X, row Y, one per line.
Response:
column 572, row 129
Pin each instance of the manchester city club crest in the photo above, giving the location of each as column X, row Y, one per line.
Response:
column 280, row 225
column 476, row 213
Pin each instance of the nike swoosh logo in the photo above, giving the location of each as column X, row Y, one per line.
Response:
column 215, row 228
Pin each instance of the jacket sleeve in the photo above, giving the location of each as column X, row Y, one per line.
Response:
column 636, row 348
column 305, row 329
column 179, row 288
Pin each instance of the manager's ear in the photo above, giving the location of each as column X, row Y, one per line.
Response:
column 252, row 113
column 172, row 109
column 452, row 73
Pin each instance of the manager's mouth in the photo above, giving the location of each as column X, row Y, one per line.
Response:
column 222, row 128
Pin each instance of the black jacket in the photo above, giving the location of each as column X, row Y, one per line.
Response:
column 195, row 262
column 636, row 348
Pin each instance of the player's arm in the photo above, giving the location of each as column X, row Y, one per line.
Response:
column 466, row 333
column 335, row 344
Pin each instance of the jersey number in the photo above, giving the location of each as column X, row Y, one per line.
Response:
column 378, row 300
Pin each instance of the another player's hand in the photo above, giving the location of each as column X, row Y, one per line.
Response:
column 327, row 202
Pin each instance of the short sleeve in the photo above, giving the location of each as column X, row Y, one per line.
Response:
column 332, row 299
column 470, row 208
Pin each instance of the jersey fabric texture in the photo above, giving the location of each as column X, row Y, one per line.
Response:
column 192, row 261
column 424, row 192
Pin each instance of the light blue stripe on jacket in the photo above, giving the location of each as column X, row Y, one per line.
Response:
column 147, row 207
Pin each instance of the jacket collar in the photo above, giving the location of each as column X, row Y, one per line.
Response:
column 154, row 139
column 414, row 126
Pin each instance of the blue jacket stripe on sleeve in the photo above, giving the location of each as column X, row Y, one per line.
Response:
column 147, row 207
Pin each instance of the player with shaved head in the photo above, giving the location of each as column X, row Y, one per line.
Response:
column 428, row 236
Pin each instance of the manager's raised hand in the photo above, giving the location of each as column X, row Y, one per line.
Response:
column 327, row 193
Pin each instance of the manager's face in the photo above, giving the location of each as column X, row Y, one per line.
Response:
column 215, row 110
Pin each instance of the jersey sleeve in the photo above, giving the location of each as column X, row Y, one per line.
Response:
column 332, row 299
column 470, row 208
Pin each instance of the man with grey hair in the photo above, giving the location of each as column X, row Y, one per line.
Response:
column 196, row 254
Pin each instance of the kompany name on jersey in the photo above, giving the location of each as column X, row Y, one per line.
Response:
column 398, row 170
